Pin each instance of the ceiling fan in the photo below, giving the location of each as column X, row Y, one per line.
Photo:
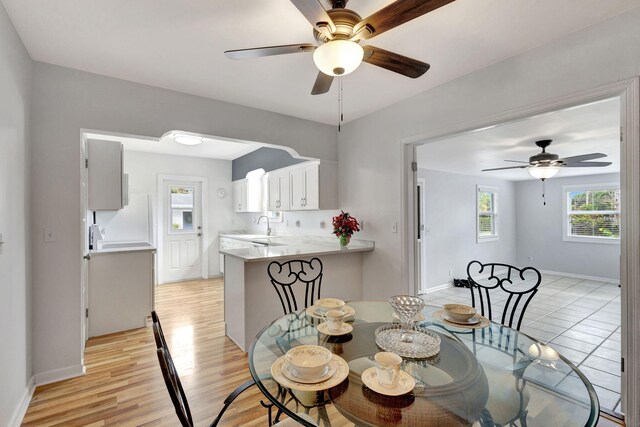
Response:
column 339, row 32
column 545, row 165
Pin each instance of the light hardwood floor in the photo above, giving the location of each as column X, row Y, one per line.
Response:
column 123, row 384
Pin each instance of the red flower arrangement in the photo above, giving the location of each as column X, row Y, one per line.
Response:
column 344, row 225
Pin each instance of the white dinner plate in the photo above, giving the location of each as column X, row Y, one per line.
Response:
column 290, row 373
column 342, row 372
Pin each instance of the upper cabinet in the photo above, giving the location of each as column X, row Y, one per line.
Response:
column 308, row 186
column 247, row 195
column 107, row 186
column 278, row 192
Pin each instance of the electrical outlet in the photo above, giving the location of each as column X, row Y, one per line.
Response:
column 394, row 227
column 530, row 257
column 298, row 223
column 322, row 224
column 450, row 272
column 361, row 225
column 286, row 222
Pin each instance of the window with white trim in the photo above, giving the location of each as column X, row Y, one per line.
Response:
column 487, row 213
column 592, row 213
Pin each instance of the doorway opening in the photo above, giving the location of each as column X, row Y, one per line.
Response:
column 599, row 303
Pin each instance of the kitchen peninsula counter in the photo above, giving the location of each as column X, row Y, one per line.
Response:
column 277, row 247
column 250, row 300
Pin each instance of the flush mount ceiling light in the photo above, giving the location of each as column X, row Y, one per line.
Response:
column 187, row 139
column 338, row 57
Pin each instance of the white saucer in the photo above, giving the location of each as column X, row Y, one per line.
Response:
column 289, row 372
column 324, row 328
column 405, row 384
column 342, row 372
column 311, row 312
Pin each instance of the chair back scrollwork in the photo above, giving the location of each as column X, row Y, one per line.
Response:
column 289, row 277
column 520, row 284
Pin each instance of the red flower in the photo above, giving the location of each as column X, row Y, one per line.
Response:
column 344, row 224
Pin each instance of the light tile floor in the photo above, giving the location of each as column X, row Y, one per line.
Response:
column 579, row 318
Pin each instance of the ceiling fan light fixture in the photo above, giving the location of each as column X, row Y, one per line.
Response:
column 543, row 172
column 338, row 57
column 187, row 139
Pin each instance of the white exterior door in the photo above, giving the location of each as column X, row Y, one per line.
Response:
column 182, row 230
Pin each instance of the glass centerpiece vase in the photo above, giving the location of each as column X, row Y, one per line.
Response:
column 407, row 308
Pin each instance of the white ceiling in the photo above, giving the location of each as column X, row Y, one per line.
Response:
column 179, row 45
column 591, row 128
column 212, row 148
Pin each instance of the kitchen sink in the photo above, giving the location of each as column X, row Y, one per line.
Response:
column 265, row 242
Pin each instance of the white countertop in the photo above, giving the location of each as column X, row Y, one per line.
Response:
column 290, row 246
column 121, row 246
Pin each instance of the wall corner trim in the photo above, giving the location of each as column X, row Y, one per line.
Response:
column 21, row 409
column 58, row 374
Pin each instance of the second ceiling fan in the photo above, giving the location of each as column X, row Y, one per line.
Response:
column 339, row 32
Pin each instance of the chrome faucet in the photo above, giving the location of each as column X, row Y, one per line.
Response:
column 268, row 224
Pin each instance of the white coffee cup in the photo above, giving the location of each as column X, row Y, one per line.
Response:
column 388, row 368
column 334, row 319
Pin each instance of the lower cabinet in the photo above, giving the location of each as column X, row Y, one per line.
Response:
column 121, row 291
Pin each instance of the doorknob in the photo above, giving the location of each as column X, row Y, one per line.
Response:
column 87, row 257
column 199, row 234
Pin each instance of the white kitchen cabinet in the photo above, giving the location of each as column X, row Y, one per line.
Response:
column 313, row 186
column 121, row 290
column 105, row 175
column 278, row 190
column 247, row 195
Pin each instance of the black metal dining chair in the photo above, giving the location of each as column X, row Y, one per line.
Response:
column 520, row 284
column 178, row 395
column 288, row 277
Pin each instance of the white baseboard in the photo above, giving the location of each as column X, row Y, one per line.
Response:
column 58, row 374
column 436, row 288
column 581, row 276
column 216, row 276
column 21, row 409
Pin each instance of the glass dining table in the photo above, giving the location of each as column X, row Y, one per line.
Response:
column 485, row 376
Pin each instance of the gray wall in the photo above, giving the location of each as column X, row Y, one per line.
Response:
column 144, row 168
column 266, row 158
column 15, row 283
column 540, row 233
column 450, row 225
column 64, row 102
column 371, row 147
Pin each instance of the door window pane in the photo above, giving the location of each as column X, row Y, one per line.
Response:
column 181, row 200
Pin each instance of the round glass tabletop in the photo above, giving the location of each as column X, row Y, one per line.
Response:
column 481, row 376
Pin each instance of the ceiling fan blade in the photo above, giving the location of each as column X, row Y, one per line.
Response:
column 315, row 13
column 322, row 84
column 395, row 14
column 394, row 62
column 508, row 167
column 516, row 161
column 587, row 165
column 583, row 157
column 257, row 52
